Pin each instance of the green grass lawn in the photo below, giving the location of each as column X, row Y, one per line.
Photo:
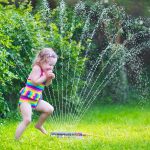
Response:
column 112, row 127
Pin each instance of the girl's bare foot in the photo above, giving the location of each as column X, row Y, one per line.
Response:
column 41, row 129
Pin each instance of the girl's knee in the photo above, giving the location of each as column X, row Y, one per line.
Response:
column 50, row 109
column 27, row 121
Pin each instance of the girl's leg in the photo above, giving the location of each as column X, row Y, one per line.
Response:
column 46, row 110
column 26, row 112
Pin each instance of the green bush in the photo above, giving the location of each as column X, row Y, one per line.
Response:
column 18, row 35
column 22, row 34
column 4, row 109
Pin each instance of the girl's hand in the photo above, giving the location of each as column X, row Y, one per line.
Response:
column 50, row 75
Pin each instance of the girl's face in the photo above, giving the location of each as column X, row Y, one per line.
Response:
column 47, row 66
column 50, row 63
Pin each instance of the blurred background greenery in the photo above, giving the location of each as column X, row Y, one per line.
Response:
column 26, row 27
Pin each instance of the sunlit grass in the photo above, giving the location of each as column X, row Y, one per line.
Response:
column 110, row 127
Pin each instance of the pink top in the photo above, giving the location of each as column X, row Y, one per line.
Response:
column 41, row 73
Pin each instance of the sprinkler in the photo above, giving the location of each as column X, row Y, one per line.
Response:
column 68, row 134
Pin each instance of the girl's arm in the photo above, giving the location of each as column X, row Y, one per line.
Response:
column 35, row 75
column 48, row 82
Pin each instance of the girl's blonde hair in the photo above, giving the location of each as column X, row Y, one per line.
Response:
column 43, row 56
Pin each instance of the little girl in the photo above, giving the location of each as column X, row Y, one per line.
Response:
column 31, row 95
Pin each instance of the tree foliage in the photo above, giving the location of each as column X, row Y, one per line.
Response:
column 22, row 35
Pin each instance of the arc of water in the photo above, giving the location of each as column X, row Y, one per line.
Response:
column 141, row 48
column 81, row 105
column 56, row 116
column 45, row 9
column 77, row 120
column 96, row 62
column 100, row 73
column 53, row 101
column 62, row 15
column 98, row 91
column 84, row 29
column 56, row 110
column 82, row 35
column 89, row 75
column 86, row 53
column 68, row 64
column 81, row 7
column 93, row 68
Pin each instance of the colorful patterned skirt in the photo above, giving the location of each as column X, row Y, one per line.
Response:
column 32, row 102
column 31, row 93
